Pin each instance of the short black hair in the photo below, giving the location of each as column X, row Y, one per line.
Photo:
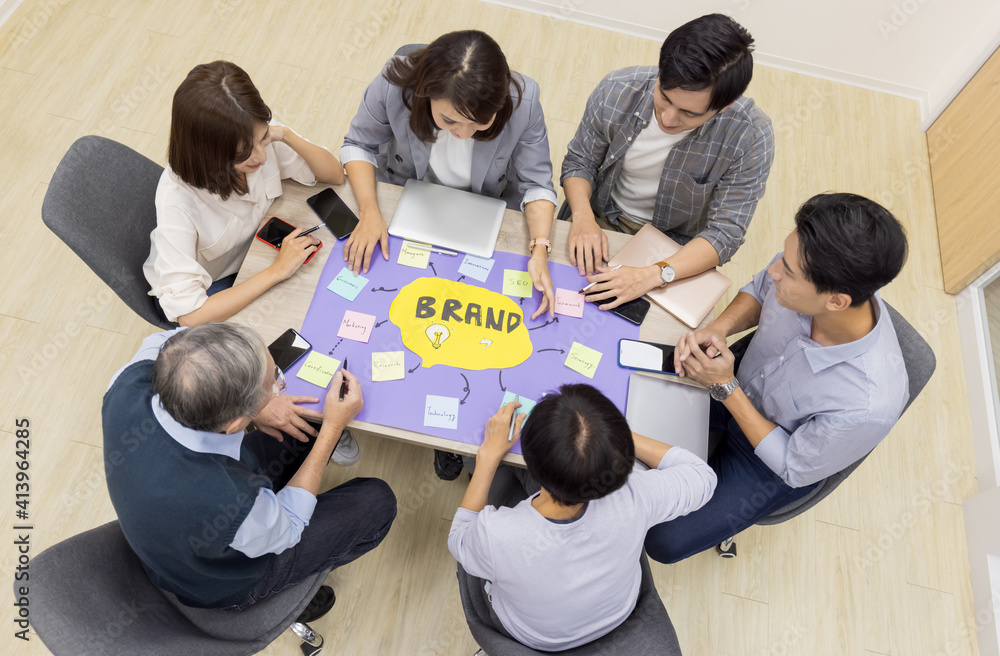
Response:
column 577, row 445
column 849, row 244
column 712, row 51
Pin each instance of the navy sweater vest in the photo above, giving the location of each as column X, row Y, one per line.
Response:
column 179, row 509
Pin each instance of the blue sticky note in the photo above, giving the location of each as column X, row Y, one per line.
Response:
column 527, row 405
column 348, row 285
column 441, row 412
column 476, row 267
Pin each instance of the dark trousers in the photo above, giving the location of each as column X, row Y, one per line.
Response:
column 747, row 491
column 349, row 521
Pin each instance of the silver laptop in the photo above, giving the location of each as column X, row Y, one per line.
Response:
column 670, row 412
column 442, row 216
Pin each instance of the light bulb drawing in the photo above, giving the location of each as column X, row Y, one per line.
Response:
column 437, row 333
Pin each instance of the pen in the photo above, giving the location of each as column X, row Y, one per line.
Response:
column 343, row 384
column 434, row 249
column 312, row 229
column 584, row 290
column 513, row 419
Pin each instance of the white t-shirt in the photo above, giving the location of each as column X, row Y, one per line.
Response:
column 639, row 179
column 200, row 238
column 560, row 585
column 450, row 161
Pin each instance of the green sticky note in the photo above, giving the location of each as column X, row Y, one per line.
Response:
column 583, row 359
column 527, row 405
column 318, row 369
column 414, row 254
column 517, row 283
column 387, row 365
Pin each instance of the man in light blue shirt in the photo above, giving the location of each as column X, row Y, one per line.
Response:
column 219, row 518
column 820, row 385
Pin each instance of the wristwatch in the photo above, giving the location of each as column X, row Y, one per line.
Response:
column 541, row 240
column 721, row 392
column 667, row 273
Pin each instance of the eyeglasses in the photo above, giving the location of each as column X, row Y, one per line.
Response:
column 279, row 381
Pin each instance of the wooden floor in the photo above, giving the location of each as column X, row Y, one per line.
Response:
column 879, row 568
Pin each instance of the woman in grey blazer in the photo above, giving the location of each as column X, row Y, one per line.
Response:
column 453, row 113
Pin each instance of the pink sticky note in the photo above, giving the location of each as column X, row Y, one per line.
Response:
column 356, row 326
column 569, row 303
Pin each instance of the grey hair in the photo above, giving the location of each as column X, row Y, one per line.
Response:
column 209, row 375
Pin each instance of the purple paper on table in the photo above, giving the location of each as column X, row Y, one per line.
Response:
column 402, row 403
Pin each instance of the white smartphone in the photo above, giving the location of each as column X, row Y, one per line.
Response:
column 646, row 356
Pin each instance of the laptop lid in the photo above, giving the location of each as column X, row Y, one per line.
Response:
column 668, row 411
column 691, row 299
column 455, row 219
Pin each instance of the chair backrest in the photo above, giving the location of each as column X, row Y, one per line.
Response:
column 91, row 596
column 100, row 202
column 647, row 630
column 919, row 361
column 408, row 48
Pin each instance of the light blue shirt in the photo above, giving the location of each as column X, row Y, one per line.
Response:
column 832, row 404
column 276, row 521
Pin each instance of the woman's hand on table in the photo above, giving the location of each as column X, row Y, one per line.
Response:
column 370, row 232
column 538, row 269
column 294, row 252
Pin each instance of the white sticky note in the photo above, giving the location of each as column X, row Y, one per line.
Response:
column 441, row 412
column 477, row 268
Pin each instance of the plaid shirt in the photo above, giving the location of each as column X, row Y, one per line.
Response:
column 711, row 181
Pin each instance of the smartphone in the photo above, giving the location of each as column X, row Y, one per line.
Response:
column 647, row 356
column 275, row 230
column 633, row 311
column 288, row 348
column 335, row 213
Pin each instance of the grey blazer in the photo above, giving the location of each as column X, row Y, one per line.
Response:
column 515, row 166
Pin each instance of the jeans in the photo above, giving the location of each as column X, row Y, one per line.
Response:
column 221, row 284
column 349, row 521
column 747, row 491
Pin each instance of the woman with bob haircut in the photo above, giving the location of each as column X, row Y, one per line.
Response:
column 454, row 114
column 561, row 568
column 226, row 162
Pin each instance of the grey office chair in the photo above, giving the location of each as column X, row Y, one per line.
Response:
column 100, row 202
column 91, row 597
column 919, row 360
column 408, row 48
column 646, row 631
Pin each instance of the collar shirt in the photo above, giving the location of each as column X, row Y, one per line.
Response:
column 711, row 181
column 200, row 238
column 832, row 404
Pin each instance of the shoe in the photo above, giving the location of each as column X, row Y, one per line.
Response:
column 347, row 451
column 447, row 465
column 319, row 606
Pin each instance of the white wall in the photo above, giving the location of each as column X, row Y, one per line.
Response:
column 924, row 49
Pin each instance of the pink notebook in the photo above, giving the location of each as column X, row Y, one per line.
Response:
column 691, row 299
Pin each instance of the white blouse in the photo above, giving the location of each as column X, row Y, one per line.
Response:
column 200, row 238
column 450, row 161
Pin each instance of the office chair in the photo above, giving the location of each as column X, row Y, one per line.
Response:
column 646, row 631
column 919, row 360
column 407, row 49
column 100, row 202
column 90, row 596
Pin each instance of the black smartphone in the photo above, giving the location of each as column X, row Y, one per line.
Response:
column 633, row 311
column 288, row 348
column 274, row 232
column 335, row 213
column 647, row 356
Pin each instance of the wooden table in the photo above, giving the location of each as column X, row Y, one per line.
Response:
column 284, row 305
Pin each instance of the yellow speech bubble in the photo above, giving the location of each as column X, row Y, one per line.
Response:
column 459, row 325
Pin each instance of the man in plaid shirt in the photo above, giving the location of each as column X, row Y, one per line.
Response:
column 677, row 146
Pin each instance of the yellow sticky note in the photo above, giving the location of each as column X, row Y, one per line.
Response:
column 387, row 365
column 414, row 254
column 318, row 369
column 517, row 283
column 583, row 359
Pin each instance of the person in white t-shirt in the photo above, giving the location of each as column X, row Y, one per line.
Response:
column 226, row 162
column 453, row 113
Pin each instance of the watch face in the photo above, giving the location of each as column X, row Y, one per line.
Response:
column 667, row 273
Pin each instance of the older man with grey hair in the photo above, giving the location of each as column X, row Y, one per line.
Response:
column 220, row 518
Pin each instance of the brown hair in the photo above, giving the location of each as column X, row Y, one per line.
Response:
column 215, row 111
column 466, row 68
